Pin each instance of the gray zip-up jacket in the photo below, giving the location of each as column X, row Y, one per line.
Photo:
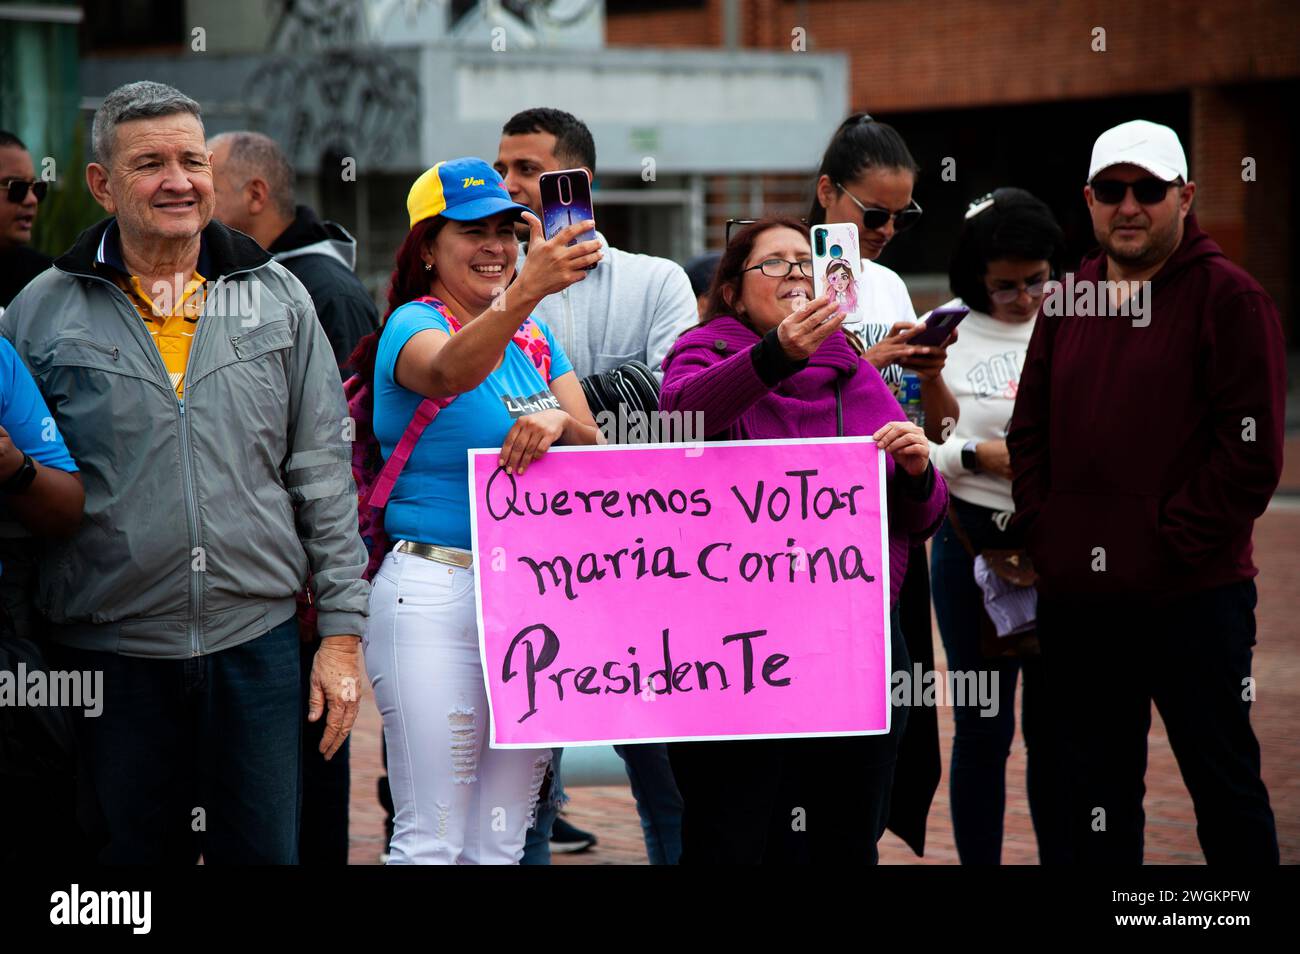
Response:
column 203, row 516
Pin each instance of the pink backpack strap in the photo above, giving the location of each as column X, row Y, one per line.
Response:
column 424, row 414
column 422, row 418
column 530, row 339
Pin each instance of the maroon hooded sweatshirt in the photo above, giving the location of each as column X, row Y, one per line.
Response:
column 1150, row 451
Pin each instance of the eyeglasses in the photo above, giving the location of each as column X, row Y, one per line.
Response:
column 779, row 267
column 1005, row 296
column 16, row 189
column 1148, row 191
column 733, row 224
column 875, row 218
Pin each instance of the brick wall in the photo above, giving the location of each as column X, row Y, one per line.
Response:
column 928, row 54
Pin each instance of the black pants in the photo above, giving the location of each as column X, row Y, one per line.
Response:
column 324, row 836
column 789, row 801
column 1104, row 665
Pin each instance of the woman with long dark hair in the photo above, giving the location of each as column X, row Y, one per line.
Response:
column 766, row 362
column 459, row 327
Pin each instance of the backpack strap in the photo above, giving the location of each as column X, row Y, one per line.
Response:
column 530, row 339
column 387, row 479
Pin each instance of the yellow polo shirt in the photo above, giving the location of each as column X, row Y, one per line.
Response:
column 172, row 329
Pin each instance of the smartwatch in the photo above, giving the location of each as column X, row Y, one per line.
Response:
column 22, row 478
column 968, row 458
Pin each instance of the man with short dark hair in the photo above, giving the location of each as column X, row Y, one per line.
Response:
column 200, row 398
column 1146, row 440
column 20, row 193
column 629, row 308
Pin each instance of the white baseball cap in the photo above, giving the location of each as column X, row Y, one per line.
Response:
column 1138, row 142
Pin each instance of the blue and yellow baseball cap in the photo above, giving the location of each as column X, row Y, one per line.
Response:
column 461, row 189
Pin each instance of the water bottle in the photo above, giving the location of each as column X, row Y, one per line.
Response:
column 910, row 398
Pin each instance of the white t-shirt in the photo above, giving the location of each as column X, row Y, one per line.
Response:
column 983, row 373
column 883, row 301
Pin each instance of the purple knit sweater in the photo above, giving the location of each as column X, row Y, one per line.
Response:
column 710, row 369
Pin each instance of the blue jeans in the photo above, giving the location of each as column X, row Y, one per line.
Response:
column 196, row 755
column 537, row 843
column 982, row 742
column 657, row 802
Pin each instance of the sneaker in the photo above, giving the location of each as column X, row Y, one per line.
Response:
column 567, row 840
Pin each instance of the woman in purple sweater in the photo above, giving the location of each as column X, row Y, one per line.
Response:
column 765, row 362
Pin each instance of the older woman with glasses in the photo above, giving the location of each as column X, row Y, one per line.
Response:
column 1009, row 247
column 765, row 362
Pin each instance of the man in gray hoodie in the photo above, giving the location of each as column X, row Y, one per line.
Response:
column 200, row 398
column 629, row 308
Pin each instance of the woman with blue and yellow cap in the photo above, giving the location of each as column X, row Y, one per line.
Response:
column 459, row 326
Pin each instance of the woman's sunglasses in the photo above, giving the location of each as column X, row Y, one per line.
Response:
column 16, row 189
column 874, row 218
column 1148, row 191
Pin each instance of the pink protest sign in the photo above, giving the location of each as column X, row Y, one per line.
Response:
column 667, row 592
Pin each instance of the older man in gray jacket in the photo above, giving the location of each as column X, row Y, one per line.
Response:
column 199, row 396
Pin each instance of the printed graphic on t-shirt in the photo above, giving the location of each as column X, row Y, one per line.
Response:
column 996, row 377
column 543, row 400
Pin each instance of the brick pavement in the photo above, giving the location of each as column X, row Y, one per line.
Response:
column 1171, row 825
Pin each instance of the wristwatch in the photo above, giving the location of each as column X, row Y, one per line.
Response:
column 968, row 458
column 20, row 479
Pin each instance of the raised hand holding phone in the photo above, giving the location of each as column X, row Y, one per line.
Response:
column 802, row 332
column 566, row 200
column 553, row 264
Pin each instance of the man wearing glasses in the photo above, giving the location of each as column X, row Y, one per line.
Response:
column 20, row 191
column 1142, row 455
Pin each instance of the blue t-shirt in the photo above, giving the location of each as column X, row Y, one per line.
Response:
column 24, row 415
column 30, row 424
column 430, row 501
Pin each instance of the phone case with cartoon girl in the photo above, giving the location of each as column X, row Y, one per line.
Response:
column 837, row 269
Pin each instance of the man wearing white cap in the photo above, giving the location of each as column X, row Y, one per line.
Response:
column 1143, row 452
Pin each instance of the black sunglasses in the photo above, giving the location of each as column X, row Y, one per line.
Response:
column 16, row 189
column 875, row 218
column 1148, row 191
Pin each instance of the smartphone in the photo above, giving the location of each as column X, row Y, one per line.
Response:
column 566, row 199
column 938, row 325
column 837, row 269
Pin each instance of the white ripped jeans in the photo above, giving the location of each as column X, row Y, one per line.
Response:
column 458, row 801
